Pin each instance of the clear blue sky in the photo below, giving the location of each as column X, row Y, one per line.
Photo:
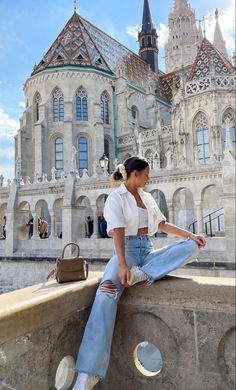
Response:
column 28, row 28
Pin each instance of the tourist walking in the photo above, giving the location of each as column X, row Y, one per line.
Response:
column 132, row 216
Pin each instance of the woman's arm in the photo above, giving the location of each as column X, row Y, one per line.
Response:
column 119, row 242
column 169, row 228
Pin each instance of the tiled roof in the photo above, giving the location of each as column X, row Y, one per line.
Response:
column 82, row 44
column 209, row 59
column 171, row 80
column 73, row 46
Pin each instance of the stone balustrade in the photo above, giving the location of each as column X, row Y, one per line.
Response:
column 190, row 321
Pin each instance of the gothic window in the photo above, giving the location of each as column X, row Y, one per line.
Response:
column 81, row 105
column 37, row 101
column 229, row 119
column 83, row 154
column 59, row 156
column 58, row 106
column 149, row 41
column 104, row 103
column 143, row 42
column 202, row 133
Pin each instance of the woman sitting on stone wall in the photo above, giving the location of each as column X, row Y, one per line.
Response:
column 132, row 216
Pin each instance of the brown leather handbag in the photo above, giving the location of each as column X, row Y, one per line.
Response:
column 71, row 269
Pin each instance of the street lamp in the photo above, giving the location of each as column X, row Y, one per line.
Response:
column 103, row 161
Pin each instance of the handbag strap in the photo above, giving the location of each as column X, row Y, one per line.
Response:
column 70, row 243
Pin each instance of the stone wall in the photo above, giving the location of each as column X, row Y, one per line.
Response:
column 191, row 322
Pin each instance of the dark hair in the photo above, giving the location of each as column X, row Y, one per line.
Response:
column 134, row 163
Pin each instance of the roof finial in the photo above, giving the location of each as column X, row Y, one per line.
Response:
column 216, row 13
column 75, row 6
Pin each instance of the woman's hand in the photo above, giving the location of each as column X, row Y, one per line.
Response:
column 124, row 274
column 200, row 240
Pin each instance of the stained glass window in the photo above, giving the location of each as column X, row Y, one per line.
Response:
column 104, row 102
column 58, row 106
column 202, row 131
column 59, row 158
column 83, row 154
column 81, row 105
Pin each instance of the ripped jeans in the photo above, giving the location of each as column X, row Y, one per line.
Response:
column 94, row 354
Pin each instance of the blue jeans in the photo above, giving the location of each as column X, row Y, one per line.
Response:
column 94, row 353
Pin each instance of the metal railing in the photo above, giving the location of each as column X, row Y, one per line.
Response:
column 208, row 223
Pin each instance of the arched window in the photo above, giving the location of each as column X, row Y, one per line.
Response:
column 37, row 101
column 134, row 113
column 81, row 105
column 229, row 119
column 149, row 41
column 58, row 106
column 202, row 133
column 59, row 156
column 104, row 102
column 83, row 154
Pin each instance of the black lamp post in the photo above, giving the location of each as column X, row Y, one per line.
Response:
column 103, row 161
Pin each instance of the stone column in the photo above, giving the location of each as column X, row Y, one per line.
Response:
column 171, row 212
column 53, row 225
column 35, row 230
column 95, row 221
column 68, row 133
column 199, row 216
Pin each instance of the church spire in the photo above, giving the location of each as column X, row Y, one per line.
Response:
column 180, row 5
column 147, row 25
column 218, row 41
column 148, row 49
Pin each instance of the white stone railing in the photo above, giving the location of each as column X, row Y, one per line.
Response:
column 147, row 135
column 207, row 83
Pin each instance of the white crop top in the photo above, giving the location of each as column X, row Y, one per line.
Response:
column 143, row 218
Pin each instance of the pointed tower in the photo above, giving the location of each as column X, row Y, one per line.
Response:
column 184, row 37
column 218, row 41
column 148, row 49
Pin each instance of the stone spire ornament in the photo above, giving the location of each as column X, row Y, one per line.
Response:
column 218, row 41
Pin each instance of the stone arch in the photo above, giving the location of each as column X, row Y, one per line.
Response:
column 57, row 209
column 41, row 210
column 23, row 216
column 134, row 113
column 212, row 205
column 100, row 202
column 83, row 210
column 160, row 199
column 228, row 111
column 183, row 207
column 3, row 211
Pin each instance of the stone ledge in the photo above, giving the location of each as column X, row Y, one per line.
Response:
column 33, row 307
